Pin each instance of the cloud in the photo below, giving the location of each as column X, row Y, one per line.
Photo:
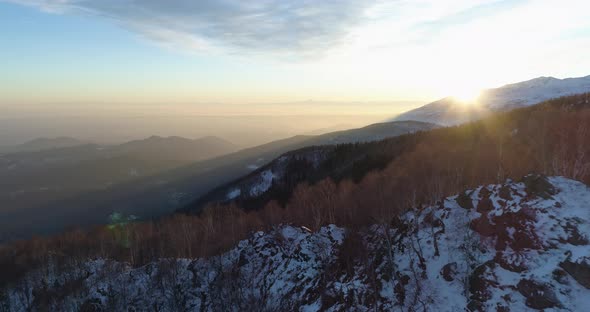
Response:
column 284, row 26
column 303, row 28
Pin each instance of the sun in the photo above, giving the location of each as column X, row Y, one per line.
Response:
column 467, row 96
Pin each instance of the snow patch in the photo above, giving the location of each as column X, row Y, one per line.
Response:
column 264, row 183
column 233, row 194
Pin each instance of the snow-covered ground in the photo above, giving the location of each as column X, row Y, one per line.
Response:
column 266, row 178
column 261, row 180
column 233, row 194
column 509, row 247
column 534, row 91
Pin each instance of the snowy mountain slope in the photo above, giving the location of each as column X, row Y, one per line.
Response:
column 510, row 247
column 534, row 91
column 446, row 112
column 289, row 167
column 374, row 132
column 284, row 171
column 450, row 111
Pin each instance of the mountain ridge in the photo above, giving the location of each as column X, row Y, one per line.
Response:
column 280, row 169
column 450, row 111
column 277, row 182
column 500, row 247
column 40, row 144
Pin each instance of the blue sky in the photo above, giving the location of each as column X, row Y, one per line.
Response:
column 210, row 55
column 61, row 55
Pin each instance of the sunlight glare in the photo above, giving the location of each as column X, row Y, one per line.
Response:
column 467, row 96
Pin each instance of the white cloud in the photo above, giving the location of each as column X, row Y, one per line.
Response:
column 52, row 6
column 311, row 26
column 300, row 26
column 383, row 48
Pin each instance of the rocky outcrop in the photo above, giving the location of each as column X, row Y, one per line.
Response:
column 580, row 271
column 517, row 247
column 538, row 295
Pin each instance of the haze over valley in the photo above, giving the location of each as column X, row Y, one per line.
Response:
column 243, row 130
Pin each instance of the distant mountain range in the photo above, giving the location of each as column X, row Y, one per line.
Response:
column 147, row 178
column 40, row 144
column 451, row 111
column 173, row 147
column 46, row 171
column 177, row 148
column 83, row 184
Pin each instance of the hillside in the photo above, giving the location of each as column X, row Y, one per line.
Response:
column 282, row 174
column 41, row 144
column 177, row 148
column 515, row 142
column 153, row 180
column 32, row 183
column 451, row 111
column 515, row 246
column 374, row 132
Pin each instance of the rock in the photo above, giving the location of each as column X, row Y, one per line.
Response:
column 579, row 271
column 479, row 282
column 502, row 308
column 574, row 236
column 449, row 271
column 483, row 226
column 400, row 293
column 539, row 185
column 475, row 306
column 516, row 230
column 91, row 305
column 464, row 201
column 400, row 290
column 484, row 193
column 243, row 260
column 405, row 279
column 538, row 295
column 560, row 276
column 505, row 192
column 510, row 261
column 485, row 205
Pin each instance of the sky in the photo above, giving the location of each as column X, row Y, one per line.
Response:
column 277, row 56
